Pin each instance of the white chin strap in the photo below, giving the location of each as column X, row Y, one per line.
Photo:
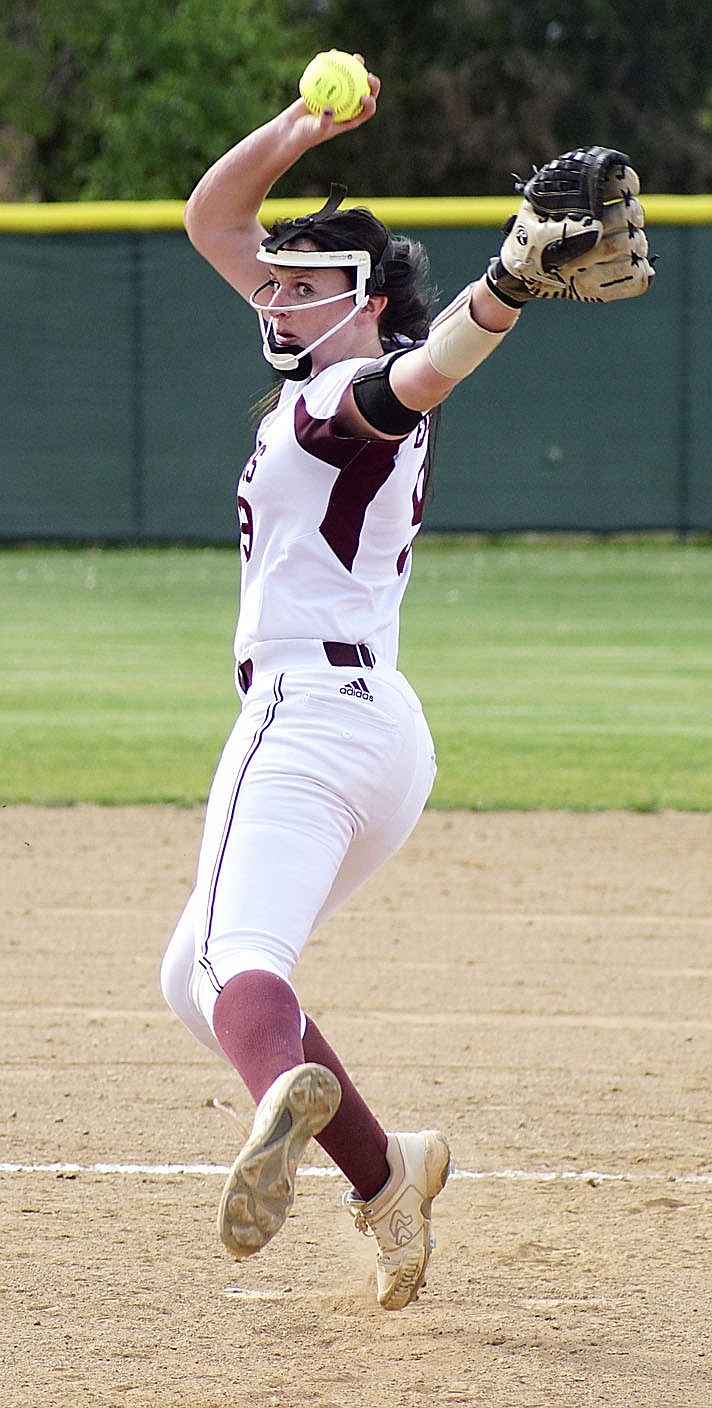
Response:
column 299, row 359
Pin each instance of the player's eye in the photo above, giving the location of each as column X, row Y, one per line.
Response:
column 305, row 290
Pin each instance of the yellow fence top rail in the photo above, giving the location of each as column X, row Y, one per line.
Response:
column 64, row 217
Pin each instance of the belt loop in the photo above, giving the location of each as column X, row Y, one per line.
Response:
column 367, row 658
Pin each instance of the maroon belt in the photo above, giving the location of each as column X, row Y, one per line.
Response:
column 336, row 652
column 339, row 654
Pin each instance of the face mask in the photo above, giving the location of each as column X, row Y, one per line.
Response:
column 296, row 362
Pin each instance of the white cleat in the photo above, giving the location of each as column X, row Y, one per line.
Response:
column 399, row 1217
column 259, row 1190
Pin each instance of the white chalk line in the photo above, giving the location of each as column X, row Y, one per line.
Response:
column 512, row 1175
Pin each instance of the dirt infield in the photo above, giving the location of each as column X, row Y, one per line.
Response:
column 536, row 985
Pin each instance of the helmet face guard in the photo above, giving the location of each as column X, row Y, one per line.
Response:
column 298, row 360
column 296, row 363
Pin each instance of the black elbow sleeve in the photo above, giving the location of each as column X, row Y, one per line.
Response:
column 378, row 403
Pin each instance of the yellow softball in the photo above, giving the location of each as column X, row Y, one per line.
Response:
column 334, row 80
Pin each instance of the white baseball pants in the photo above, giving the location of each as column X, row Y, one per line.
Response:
column 322, row 779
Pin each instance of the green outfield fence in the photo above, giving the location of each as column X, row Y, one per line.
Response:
column 129, row 369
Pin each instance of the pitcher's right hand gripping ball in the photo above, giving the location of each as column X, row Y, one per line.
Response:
column 578, row 233
column 335, row 80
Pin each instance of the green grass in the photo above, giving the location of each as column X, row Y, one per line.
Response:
column 570, row 674
column 573, row 674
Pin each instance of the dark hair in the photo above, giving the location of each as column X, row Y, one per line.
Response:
column 400, row 269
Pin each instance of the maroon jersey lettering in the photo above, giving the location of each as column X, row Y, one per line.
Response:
column 247, row 529
column 416, row 520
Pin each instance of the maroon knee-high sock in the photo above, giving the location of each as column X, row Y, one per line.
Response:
column 258, row 1023
column 353, row 1138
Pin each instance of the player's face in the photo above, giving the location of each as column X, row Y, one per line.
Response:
column 296, row 323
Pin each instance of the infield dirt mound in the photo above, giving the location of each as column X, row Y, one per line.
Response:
column 537, row 985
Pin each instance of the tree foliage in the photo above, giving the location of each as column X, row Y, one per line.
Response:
column 133, row 98
column 475, row 89
column 123, row 98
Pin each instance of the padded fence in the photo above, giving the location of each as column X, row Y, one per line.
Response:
column 129, row 368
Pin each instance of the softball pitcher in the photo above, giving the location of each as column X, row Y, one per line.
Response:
column 330, row 762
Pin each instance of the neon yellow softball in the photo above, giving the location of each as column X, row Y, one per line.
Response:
column 334, row 80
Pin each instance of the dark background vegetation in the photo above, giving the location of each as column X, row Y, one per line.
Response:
column 132, row 99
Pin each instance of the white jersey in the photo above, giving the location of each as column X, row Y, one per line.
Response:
column 326, row 524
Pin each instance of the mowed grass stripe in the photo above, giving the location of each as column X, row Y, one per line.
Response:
column 567, row 674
